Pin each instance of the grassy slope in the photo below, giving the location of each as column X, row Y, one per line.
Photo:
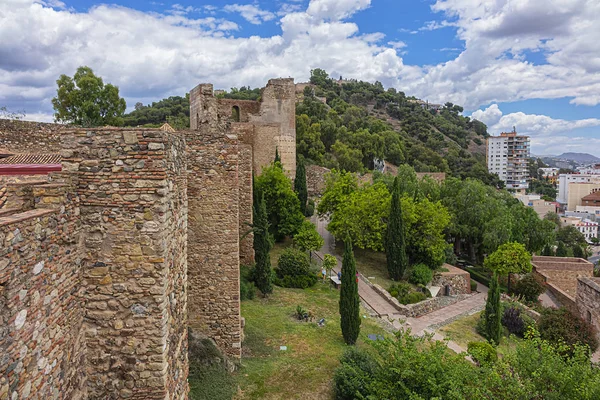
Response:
column 306, row 369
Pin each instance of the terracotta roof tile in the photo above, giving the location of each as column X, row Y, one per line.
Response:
column 592, row 197
column 32, row 159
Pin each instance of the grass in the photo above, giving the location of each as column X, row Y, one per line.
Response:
column 371, row 264
column 306, row 369
column 462, row 331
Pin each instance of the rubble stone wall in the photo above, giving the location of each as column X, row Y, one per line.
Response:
column 42, row 350
column 132, row 207
column 588, row 300
column 29, row 136
column 563, row 272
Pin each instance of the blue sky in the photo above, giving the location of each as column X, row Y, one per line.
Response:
column 529, row 63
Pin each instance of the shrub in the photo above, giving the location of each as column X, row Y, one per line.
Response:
column 413, row 297
column 356, row 370
column 513, row 321
column 482, row 352
column 473, row 285
column 556, row 325
column 530, row 287
column 310, row 208
column 293, row 270
column 420, row 274
column 399, row 290
column 247, row 290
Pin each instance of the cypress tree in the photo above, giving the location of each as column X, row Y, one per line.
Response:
column 548, row 251
column 262, row 245
column 349, row 301
column 300, row 185
column 395, row 246
column 277, row 158
column 493, row 318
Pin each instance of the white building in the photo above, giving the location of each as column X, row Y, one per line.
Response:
column 550, row 172
column 587, row 227
column 565, row 179
column 507, row 157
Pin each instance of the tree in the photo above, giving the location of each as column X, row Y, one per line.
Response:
column 283, row 206
column 578, row 252
column 562, row 250
column 300, row 185
column 349, row 301
column 277, row 157
column 307, row 238
column 493, row 313
column 548, row 251
column 85, row 100
column 262, row 246
column 339, row 186
column 329, row 263
column 510, row 258
column 395, row 246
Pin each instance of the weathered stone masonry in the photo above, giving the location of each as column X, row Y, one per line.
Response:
column 94, row 289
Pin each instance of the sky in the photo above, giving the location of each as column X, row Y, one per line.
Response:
column 531, row 64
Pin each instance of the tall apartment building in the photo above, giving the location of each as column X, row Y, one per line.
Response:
column 507, row 157
column 572, row 187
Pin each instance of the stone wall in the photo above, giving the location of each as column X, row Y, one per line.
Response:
column 42, row 351
column 214, row 234
column 131, row 186
column 316, row 179
column 563, row 272
column 588, row 300
column 29, row 136
column 458, row 280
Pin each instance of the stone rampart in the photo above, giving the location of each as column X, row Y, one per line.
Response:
column 29, row 136
column 588, row 300
column 42, row 350
column 316, row 177
column 563, row 272
column 457, row 280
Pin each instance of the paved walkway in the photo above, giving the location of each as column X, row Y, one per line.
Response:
column 426, row 324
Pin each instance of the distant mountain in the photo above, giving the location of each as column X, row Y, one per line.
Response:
column 579, row 157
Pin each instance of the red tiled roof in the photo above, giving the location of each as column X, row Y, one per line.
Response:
column 592, row 197
column 31, row 159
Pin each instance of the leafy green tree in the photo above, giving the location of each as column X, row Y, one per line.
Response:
column 262, row 246
column 307, row 238
column 562, row 250
column 348, row 159
column 493, row 313
column 329, row 263
column 300, row 185
column 395, row 245
column 578, row 252
column 174, row 110
column 85, row 100
column 339, row 185
column 349, row 301
column 308, row 139
column 510, row 258
column 570, row 236
column 363, row 216
column 548, row 251
column 283, row 206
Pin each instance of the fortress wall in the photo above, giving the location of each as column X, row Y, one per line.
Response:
column 131, row 224
column 214, row 234
column 42, row 350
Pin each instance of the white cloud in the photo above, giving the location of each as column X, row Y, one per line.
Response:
column 547, row 133
column 336, row 9
column 399, row 44
column 250, row 13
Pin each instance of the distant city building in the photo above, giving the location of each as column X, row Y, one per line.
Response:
column 592, row 200
column 593, row 170
column 539, row 205
column 507, row 157
column 551, row 174
column 564, row 182
column 426, row 105
column 588, row 228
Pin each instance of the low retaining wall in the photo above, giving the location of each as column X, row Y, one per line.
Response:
column 563, row 297
column 421, row 308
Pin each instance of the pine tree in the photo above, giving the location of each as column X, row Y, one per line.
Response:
column 493, row 326
column 277, row 158
column 395, row 249
column 300, row 185
column 349, row 301
column 262, row 245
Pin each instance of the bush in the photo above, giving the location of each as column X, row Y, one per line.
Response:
column 482, row 352
column 413, row 297
column 297, row 282
column 529, row 287
column 293, row 270
column 513, row 321
column 473, row 285
column 420, row 274
column 310, row 208
column 556, row 325
column 399, row 290
column 356, row 370
column 247, row 290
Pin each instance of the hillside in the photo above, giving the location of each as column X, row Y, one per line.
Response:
column 579, row 157
column 349, row 124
